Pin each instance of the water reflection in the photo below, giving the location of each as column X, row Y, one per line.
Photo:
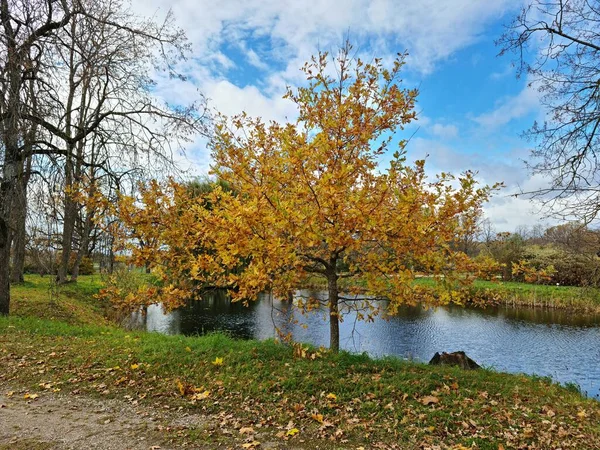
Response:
column 551, row 343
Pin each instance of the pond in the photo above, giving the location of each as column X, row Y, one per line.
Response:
column 561, row 345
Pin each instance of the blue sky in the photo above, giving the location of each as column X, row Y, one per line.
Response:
column 471, row 106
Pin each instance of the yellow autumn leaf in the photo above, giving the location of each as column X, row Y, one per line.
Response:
column 135, row 366
column 180, row 387
column 292, row 432
column 252, row 444
column 331, row 396
column 187, row 349
column 200, row 395
column 29, row 396
column 318, row 417
column 218, row 361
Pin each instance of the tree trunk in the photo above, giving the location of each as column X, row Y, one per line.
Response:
column 84, row 243
column 7, row 192
column 9, row 129
column 70, row 216
column 20, row 218
column 4, row 267
column 18, row 245
column 70, row 213
column 334, row 319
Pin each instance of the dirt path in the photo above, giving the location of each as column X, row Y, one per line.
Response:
column 59, row 422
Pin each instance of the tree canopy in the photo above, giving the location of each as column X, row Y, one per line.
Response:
column 312, row 198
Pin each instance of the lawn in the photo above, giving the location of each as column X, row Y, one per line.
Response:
column 293, row 396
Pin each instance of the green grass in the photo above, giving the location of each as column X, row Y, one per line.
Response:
column 72, row 303
column 333, row 400
column 516, row 294
column 269, row 385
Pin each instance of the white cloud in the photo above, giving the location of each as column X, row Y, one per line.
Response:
column 231, row 100
column 255, row 60
column 525, row 102
column 505, row 210
column 444, row 131
column 431, row 30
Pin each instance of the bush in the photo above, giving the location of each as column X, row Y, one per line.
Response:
column 570, row 269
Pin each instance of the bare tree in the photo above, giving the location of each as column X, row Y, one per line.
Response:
column 557, row 43
column 104, row 53
column 26, row 28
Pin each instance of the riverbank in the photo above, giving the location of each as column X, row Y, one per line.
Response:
column 526, row 295
column 517, row 295
column 215, row 392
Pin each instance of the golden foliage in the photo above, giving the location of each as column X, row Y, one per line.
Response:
column 311, row 198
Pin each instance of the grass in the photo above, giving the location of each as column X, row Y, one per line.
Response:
column 516, row 294
column 72, row 303
column 565, row 297
column 298, row 397
column 344, row 398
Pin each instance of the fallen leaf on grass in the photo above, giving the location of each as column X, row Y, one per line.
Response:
column 429, row 400
column 121, row 380
column 29, row 396
column 200, row 395
column 218, row 361
column 331, row 396
column 292, row 432
column 252, row 444
column 246, row 430
column 180, row 387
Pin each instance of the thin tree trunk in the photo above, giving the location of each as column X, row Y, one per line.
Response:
column 18, row 244
column 70, row 213
column 4, row 267
column 69, row 218
column 20, row 218
column 334, row 319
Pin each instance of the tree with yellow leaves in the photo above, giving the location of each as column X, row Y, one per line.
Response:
column 311, row 199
